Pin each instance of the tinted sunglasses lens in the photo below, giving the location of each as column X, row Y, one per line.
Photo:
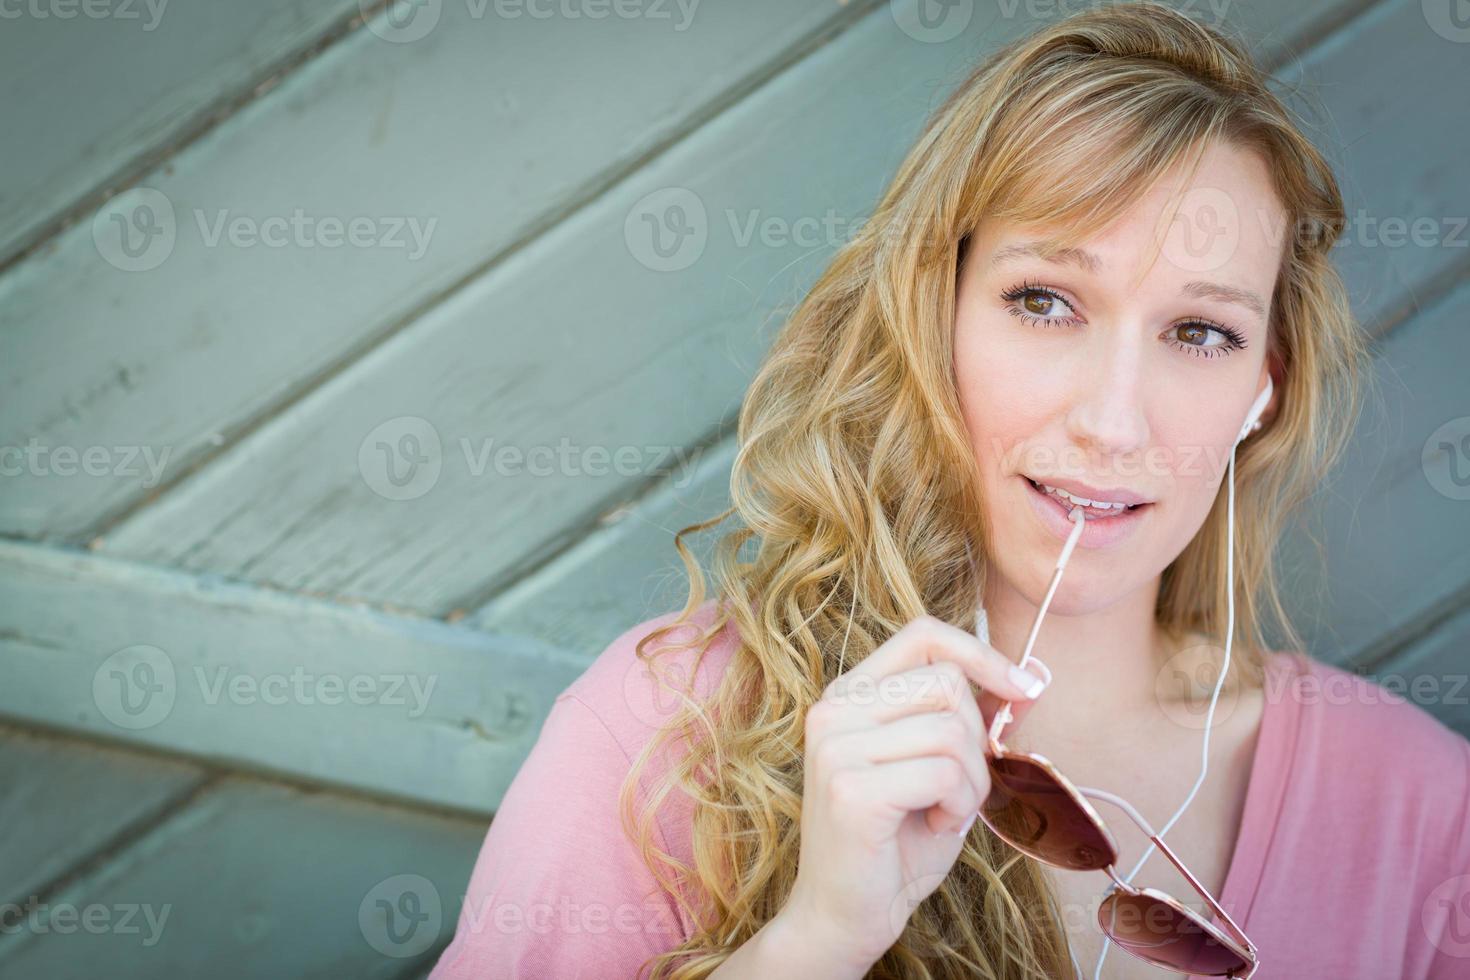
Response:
column 1030, row 810
column 1158, row 932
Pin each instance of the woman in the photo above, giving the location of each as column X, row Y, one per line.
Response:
column 1104, row 245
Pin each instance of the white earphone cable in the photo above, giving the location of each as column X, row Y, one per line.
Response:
column 1214, row 697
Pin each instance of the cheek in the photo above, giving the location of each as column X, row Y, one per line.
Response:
column 997, row 417
column 1190, row 465
column 1002, row 399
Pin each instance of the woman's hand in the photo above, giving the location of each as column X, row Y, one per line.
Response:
column 895, row 774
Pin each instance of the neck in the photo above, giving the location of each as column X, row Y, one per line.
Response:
column 1105, row 663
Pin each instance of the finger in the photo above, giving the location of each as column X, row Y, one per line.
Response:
column 928, row 640
column 923, row 735
column 935, row 783
column 941, row 687
column 990, row 703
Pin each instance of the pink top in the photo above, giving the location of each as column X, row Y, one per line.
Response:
column 1353, row 858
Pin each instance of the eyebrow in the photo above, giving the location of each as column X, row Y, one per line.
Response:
column 1092, row 264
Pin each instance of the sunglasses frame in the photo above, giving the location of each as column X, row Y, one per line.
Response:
column 1238, row 943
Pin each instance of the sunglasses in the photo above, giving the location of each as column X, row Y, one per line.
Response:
column 1039, row 812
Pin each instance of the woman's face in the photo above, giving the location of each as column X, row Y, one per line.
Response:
column 1097, row 371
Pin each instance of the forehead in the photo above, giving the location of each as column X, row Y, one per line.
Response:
column 1217, row 232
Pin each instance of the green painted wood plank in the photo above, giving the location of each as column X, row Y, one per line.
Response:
column 1394, row 523
column 1380, row 81
column 624, row 572
column 240, row 676
column 260, row 880
column 580, row 339
column 91, row 93
column 64, row 798
column 1434, row 672
column 312, row 223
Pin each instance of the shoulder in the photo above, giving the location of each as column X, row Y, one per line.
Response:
column 1368, row 746
column 559, row 888
column 636, row 693
column 1375, row 717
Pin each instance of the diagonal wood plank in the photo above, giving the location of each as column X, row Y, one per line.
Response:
column 1434, row 671
column 247, row 677
column 587, row 338
column 241, row 282
column 96, row 89
column 1393, row 523
column 256, row 879
column 625, row 572
column 72, row 798
column 1407, row 236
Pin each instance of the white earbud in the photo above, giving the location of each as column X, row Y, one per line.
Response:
column 1253, row 417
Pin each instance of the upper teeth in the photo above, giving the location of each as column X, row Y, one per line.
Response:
column 1100, row 504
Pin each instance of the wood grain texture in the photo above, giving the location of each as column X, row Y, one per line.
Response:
column 73, row 798
column 584, row 336
column 92, row 89
column 1433, row 671
column 249, row 287
column 1366, row 96
column 1394, row 541
column 260, row 880
column 249, row 678
column 624, row 572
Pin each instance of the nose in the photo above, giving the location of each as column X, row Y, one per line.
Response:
column 1107, row 417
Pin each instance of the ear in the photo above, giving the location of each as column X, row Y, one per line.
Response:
column 1276, row 371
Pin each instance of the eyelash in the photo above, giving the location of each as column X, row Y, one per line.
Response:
column 1236, row 340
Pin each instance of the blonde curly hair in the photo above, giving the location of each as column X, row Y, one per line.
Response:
column 856, row 475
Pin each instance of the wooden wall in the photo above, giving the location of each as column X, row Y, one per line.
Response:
column 279, row 279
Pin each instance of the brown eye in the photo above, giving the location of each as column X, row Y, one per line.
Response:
column 1037, row 303
column 1194, row 337
column 1198, row 335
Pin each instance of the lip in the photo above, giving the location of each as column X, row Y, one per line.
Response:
column 1080, row 489
column 1097, row 533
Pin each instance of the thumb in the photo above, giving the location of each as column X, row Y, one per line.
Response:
column 990, row 703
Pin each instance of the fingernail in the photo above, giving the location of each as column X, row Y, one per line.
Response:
column 1027, row 681
column 966, row 828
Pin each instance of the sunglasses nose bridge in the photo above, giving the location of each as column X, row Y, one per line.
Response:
column 1118, row 884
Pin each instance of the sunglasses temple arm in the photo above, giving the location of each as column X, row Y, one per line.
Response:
column 1003, row 715
column 1137, row 818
